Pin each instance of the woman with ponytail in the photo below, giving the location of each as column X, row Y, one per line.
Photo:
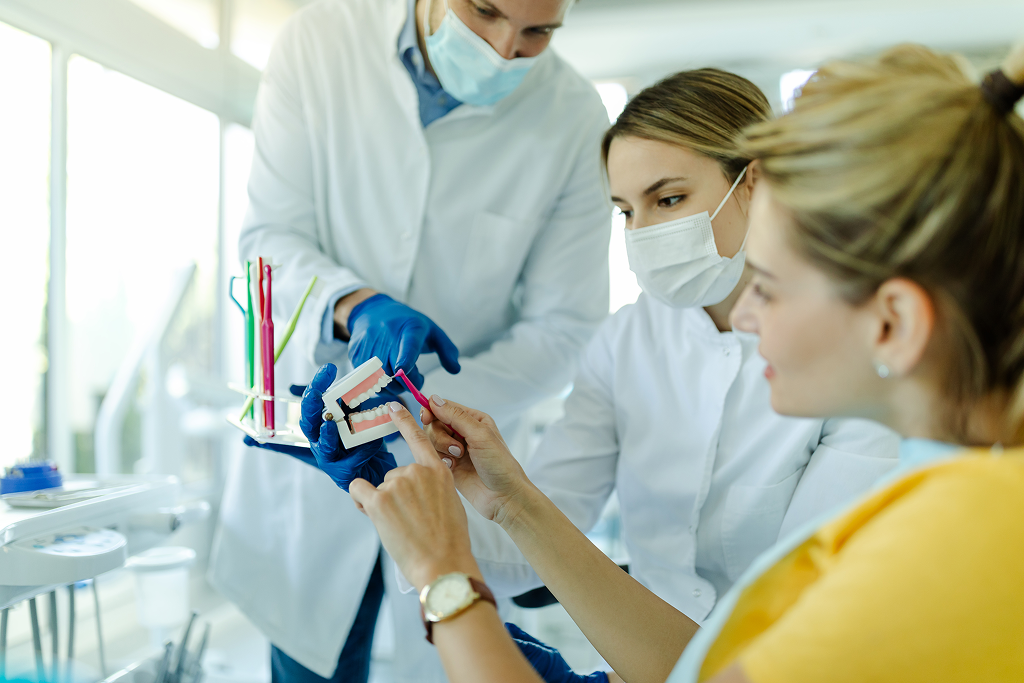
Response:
column 887, row 244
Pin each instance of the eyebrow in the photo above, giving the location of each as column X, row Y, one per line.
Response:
column 488, row 6
column 759, row 269
column 656, row 186
column 662, row 183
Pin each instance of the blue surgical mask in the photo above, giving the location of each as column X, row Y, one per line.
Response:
column 467, row 66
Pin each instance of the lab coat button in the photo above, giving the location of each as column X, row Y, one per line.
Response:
column 696, row 592
column 406, row 235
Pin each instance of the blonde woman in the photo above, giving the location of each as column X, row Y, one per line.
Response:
column 888, row 245
column 670, row 407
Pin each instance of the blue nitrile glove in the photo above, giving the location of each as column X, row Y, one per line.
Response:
column 397, row 334
column 547, row 661
column 370, row 461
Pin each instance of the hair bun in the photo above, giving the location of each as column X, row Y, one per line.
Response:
column 1001, row 92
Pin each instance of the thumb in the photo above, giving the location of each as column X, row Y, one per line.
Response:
column 410, row 346
column 465, row 421
column 520, row 634
column 446, row 350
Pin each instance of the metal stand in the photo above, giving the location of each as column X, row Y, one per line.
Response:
column 54, row 638
column 71, row 628
column 37, row 641
column 99, row 628
column 3, row 644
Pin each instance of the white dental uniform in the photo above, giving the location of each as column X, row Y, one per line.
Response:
column 492, row 221
column 676, row 417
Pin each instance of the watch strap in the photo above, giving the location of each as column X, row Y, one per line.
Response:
column 482, row 592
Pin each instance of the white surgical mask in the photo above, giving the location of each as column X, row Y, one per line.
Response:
column 678, row 262
column 467, row 66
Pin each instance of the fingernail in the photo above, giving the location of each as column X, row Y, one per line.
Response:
column 437, row 399
column 395, row 406
column 455, row 450
column 447, row 462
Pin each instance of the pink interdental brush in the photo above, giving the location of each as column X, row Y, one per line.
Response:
column 418, row 395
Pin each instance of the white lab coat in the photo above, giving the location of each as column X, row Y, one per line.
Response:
column 676, row 416
column 493, row 221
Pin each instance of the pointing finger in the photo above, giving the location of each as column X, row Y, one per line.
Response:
column 419, row 444
column 363, row 494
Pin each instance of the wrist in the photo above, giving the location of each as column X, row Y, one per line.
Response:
column 430, row 571
column 343, row 309
column 516, row 508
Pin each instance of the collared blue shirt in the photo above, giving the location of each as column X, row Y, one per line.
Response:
column 434, row 101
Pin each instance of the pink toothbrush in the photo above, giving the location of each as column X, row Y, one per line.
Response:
column 418, row 395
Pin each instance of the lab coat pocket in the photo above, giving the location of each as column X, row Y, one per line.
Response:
column 751, row 521
column 495, row 255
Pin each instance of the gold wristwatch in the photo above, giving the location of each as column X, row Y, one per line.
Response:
column 449, row 595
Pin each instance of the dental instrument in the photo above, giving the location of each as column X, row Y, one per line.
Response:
column 246, row 316
column 165, row 663
column 420, row 398
column 196, row 665
column 284, row 339
column 250, row 366
column 257, row 337
column 183, row 648
column 268, row 349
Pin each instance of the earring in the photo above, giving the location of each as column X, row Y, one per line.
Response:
column 882, row 369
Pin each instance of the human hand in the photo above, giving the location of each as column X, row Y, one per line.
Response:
column 491, row 479
column 370, row 461
column 398, row 335
column 417, row 511
column 547, row 661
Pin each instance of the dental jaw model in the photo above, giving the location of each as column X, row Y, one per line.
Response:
column 346, row 394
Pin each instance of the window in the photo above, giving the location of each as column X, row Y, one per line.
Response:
column 255, row 24
column 195, row 18
column 25, row 223
column 142, row 204
column 613, row 96
column 239, row 145
column 790, row 84
column 624, row 288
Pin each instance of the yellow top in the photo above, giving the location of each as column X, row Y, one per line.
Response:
column 922, row 581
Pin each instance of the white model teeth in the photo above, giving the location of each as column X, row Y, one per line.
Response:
column 373, row 391
column 369, row 414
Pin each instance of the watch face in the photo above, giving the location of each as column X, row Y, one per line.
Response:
column 448, row 594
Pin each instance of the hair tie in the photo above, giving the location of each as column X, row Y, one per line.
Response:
column 1001, row 92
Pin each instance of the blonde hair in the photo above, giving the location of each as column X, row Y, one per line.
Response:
column 901, row 167
column 703, row 110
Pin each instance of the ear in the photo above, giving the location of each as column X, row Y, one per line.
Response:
column 906, row 320
column 745, row 190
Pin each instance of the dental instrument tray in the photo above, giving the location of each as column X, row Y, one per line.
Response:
column 70, row 493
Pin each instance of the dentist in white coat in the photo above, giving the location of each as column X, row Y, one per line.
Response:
column 671, row 407
column 452, row 176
